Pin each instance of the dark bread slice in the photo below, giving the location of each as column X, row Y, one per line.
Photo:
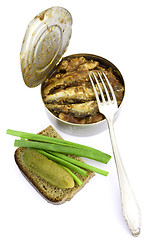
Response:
column 48, row 191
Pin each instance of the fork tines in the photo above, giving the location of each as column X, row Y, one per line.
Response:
column 106, row 91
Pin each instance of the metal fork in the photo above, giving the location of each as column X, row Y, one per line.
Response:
column 108, row 107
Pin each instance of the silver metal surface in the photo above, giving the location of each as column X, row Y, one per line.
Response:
column 108, row 107
column 45, row 41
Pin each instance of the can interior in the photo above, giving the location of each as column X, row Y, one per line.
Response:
column 102, row 62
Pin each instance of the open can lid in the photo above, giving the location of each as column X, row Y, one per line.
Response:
column 45, row 41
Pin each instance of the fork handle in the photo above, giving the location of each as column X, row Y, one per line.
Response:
column 130, row 207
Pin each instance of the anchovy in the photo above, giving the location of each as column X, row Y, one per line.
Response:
column 66, row 80
column 72, row 94
column 89, row 65
column 71, row 64
column 77, row 63
column 78, row 110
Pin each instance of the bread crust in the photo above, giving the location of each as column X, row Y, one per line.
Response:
column 48, row 191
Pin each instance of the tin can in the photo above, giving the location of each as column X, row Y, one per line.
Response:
column 45, row 41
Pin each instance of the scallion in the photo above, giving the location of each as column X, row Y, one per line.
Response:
column 76, row 179
column 69, row 147
column 80, row 164
column 99, row 156
column 64, row 163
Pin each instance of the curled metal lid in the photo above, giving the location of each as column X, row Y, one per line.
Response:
column 45, row 41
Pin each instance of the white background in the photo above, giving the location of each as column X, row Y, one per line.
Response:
column 116, row 30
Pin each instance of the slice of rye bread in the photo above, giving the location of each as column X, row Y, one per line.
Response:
column 48, row 191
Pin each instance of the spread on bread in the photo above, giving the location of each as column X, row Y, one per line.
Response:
column 47, row 169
